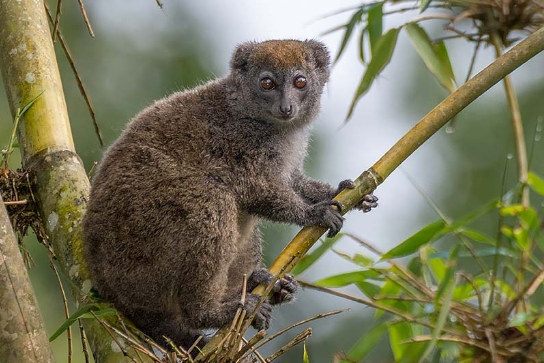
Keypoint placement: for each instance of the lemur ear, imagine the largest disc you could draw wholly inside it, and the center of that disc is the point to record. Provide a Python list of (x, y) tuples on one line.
[(321, 55), (240, 56)]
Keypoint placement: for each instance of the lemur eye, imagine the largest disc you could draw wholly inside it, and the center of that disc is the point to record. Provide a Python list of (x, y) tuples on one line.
[(267, 84), (300, 82)]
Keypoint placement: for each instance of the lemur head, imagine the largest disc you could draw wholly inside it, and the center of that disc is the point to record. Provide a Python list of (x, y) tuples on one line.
[(280, 81)]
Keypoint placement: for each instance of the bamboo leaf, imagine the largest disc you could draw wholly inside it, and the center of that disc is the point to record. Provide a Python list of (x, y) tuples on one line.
[(348, 278), (362, 46), (78, 314), (366, 343), (478, 236), (401, 332), (434, 62), (357, 259), (413, 243), (29, 104), (471, 216), (442, 53), (536, 183), (356, 18), (448, 276), (423, 5), (381, 56), (374, 25), (445, 304), (368, 288), (100, 313)]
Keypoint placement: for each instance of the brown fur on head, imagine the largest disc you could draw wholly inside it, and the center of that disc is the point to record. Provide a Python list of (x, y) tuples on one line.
[(282, 54)]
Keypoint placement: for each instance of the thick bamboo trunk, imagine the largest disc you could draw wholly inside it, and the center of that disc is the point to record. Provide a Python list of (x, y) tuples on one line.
[(22, 332), (29, 68)]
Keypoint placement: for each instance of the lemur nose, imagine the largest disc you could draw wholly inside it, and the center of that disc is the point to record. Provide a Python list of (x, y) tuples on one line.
[(286, 111)]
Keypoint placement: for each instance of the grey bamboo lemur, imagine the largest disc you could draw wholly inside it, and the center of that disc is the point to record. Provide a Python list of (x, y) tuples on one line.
[(172, 220)]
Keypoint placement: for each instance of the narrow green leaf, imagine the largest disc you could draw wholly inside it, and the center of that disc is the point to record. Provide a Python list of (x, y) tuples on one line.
[(356, 18), (481, 252), (538, 323), (71, 320), (11, 143), (471, 216), (347, 278), (413, 243), (424, 47), (362, 46), (368, 288), (522, 238), (536, 183), (389, 288), (478, 236), (442, 315), (442, 53), (529, 218), (399, 333), (100, 313), (313, 256), (367, 343), (374, 25), (357, 259), (381, 56), (305, 357), (426, 271), (30, 103), (363, 261), (492, 251), (438, 268), (448, 276), (423, 5), (507, 231)]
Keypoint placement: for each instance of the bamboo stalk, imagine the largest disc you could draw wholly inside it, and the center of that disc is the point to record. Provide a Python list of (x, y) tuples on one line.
[(59, 181), (22, 336)]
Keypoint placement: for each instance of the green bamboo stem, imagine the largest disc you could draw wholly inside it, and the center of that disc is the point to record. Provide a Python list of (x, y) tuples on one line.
[(517, 128), (22, 331), (59, 181), (521, 157), (413, 139)]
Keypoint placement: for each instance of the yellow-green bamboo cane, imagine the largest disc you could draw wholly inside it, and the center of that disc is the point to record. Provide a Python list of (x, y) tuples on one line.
[(22, 335), (59, 181)]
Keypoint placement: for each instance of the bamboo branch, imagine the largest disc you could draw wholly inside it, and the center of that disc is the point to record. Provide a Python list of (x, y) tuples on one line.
[(59, 181), (22, 336)]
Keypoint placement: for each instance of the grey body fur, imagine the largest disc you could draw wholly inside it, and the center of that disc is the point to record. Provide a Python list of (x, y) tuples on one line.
[(172, 221)]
